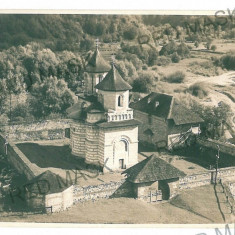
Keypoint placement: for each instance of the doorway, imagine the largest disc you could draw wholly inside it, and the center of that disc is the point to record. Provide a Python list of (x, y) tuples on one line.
[(121, 164)]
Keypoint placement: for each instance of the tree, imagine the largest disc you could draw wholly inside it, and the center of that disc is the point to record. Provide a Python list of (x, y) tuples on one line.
[(130, 33), (208, 43), (214, 118), (196, 44), (50, 96), (144, 82)]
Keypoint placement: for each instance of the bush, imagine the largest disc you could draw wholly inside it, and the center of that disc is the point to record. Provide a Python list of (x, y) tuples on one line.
[(196, 44), (175, 58), (163, 61), (199, 90), (228, 61), (176, 77), (213, 47)]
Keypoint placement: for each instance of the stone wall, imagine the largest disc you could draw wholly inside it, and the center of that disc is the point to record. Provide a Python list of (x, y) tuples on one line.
[(107, 190), (19, 160), (42, 130), (224, 147), (78, 138), (191, 181), (92, 144)]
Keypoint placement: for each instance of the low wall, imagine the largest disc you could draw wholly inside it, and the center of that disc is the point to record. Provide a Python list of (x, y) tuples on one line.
[(95, 192), (191, 181), (60, 201), (224, 147), (43, 130), (19, 161)]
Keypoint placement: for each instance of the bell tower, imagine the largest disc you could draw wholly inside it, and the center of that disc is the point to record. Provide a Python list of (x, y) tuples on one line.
[(113, 94), (96, 69)]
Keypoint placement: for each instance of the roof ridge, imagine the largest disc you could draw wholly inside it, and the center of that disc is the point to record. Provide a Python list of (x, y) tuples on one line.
[(146, 162)]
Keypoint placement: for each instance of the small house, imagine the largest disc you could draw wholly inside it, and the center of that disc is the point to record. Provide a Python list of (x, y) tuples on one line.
[(153, 177), (164, 122)]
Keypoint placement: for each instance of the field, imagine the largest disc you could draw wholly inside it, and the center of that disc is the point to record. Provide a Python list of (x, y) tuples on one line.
[(189, 207)]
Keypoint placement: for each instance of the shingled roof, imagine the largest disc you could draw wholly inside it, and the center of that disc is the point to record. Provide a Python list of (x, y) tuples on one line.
[(97, 64), (148, 104), (47, 183), (92, 105), (113, 82), (164, 106), (152, 169)]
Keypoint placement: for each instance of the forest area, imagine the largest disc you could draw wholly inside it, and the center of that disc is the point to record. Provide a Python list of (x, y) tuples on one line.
[(42, 57)]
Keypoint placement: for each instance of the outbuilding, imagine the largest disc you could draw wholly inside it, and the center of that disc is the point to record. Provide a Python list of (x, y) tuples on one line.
[(49, 192), (154, 179)]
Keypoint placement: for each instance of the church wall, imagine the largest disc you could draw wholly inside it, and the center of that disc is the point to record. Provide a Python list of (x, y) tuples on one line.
[(112, 155), (157, 125), (78, 138), (92, 144)]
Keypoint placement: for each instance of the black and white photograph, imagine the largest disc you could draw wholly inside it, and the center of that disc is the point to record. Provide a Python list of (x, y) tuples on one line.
[(117, 118)]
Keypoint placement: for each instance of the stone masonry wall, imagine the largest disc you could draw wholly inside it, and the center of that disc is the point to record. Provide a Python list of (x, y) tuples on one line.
[(92, 144), (19, 160), (42, 130), (191, 181), (78, 138), (96, 192)]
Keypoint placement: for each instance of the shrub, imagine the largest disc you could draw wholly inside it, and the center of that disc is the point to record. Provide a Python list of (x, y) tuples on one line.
[(199, 90), (176, 77), (213, 47), (228, 61), (196, 44), (163, 61), (175, 58)]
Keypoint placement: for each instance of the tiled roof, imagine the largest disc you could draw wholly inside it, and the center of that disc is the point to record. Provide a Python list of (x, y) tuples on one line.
[(92, 105), (182, 115), (113, 82), (152, 169), (164, 106), (97, 64), (148, 104)]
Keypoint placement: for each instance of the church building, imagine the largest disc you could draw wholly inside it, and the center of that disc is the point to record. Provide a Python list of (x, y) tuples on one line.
[(103, 130)]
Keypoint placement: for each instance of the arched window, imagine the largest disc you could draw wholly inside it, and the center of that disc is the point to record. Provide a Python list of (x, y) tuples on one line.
[(126, 146), (120, 101)]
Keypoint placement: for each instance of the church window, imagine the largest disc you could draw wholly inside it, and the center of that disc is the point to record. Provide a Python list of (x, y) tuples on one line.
[(125, 116), (120, 117), (126, 146), (120, 101), (115, 117)]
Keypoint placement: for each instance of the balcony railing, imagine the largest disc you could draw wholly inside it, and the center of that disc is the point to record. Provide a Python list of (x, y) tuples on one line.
[(117, 116)]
